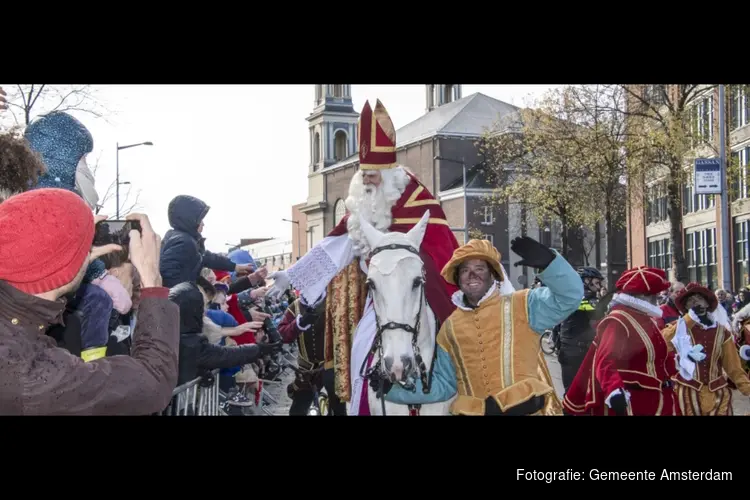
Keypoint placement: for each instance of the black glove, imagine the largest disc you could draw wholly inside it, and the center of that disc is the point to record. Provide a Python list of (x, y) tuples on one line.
[(532, 253), (375, 384), (308, 318), (619, 404)]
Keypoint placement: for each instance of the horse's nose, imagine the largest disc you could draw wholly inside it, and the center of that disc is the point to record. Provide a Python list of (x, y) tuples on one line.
[(388, 361), (408, 364)]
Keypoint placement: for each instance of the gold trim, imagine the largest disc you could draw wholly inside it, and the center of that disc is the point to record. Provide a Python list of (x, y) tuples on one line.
[(507, 342), (715, 355), (378, 166), (646, 341), (461, 364), (412, 201), (387, 126), (415, 220)]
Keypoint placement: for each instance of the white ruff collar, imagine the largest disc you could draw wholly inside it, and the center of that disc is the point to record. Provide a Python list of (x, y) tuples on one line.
[(637, 304), (458, 298)]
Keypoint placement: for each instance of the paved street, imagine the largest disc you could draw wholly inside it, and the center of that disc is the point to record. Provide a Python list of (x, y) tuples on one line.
[(740, 403)]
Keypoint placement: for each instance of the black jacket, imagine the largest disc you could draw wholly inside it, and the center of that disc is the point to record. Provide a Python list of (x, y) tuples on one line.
[(183, 251), (197, 354), (576, 331)]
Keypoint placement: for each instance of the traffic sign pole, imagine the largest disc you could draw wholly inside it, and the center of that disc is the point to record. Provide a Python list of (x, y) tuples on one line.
[(726, 249)]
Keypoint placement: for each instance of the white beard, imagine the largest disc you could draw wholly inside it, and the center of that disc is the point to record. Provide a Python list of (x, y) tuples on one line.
[(374, 204)]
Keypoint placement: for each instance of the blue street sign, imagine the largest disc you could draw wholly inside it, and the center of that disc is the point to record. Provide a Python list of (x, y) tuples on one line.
[(707, 176)]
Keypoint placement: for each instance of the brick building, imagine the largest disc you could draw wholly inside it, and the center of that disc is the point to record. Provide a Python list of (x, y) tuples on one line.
[(648, 224)]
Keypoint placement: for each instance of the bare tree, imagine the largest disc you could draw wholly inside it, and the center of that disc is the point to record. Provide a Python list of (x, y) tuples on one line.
[(27, 101)]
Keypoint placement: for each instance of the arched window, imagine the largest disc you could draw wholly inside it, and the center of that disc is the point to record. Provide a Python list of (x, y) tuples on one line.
[(340, 141), (339, 211), (316, 148)]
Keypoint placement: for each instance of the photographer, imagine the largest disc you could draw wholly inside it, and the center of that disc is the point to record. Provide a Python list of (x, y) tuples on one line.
[(40, 267)]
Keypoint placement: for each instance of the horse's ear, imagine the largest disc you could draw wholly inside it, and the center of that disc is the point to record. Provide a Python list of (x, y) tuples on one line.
[(416, 235), (372, 235)]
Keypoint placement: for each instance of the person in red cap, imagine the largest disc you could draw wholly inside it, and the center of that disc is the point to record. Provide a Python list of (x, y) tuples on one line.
[(46, 240), (629, 367), (702, 339)]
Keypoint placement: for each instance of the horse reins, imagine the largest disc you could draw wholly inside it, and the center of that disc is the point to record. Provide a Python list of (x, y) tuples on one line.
[(392, 325)]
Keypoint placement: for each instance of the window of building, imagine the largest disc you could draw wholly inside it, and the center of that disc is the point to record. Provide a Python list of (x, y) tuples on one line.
[(316, 149), (741, 271), (489, 217), (339, 211), (692, 202), (338, 91), (655, 94), (702, 120), (340, 145), (700, 251), (656, 203), (660, 254), (740, 160), (739, 106), (489, 237)]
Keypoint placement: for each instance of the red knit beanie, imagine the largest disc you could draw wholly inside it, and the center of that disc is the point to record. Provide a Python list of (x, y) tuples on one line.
[(45, 236)]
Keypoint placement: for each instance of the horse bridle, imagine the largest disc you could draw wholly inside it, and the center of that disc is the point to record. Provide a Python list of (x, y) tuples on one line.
[(377, 345)]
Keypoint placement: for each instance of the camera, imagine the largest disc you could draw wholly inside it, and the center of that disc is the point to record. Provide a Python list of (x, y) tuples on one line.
[(116, 232)]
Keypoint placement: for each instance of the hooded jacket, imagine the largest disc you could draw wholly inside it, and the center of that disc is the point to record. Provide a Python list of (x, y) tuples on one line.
[(183, 251), (197, 354)]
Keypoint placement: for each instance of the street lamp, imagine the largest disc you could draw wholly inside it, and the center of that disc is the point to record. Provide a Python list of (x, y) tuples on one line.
[(117, 174), (466, 205), (299, 241)]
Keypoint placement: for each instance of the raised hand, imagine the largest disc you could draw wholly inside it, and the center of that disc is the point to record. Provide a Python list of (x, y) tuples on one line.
[(532, 253), (144, 251)]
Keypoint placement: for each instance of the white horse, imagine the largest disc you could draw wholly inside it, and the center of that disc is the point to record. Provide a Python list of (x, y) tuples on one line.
[(404, 344)]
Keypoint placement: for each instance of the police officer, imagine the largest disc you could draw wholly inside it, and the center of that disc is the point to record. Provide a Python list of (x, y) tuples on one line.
[(577, 331)]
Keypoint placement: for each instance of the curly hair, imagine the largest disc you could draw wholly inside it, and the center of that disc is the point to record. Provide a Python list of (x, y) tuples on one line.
[(20, 166)]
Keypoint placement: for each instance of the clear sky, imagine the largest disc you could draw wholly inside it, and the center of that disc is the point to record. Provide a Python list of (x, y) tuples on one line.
[(243, 149)]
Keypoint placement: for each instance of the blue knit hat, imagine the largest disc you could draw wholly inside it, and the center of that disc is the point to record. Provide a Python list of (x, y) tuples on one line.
[(62, 141)]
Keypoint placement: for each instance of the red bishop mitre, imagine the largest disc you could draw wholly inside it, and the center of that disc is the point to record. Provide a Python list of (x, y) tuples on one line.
[(377, 138), (642, 281), (696, 288)]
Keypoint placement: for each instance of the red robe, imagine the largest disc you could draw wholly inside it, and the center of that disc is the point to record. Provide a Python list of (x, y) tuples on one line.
[(630, 356), (438, 244)]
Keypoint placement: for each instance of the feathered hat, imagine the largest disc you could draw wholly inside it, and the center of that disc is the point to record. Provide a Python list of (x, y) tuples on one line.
[(377, 138)]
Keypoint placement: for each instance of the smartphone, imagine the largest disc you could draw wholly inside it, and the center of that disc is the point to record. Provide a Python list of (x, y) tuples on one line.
[(115, 232)]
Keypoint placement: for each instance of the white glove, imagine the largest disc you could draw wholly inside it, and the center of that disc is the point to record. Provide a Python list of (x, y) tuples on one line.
[(280, 284), (696, 354)]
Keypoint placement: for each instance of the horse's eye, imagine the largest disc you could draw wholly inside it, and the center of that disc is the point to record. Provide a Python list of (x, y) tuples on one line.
[(370, 284), (417, 283)]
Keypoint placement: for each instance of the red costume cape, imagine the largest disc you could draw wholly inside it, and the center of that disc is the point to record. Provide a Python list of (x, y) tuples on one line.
[(625, 355), (437, 247)]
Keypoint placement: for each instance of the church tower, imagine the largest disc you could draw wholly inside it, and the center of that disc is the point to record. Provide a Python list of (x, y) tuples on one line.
[(333, 126), (437, 95), (333, 138)]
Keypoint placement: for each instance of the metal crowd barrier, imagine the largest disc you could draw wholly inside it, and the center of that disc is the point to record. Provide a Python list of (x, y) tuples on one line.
[(195, 398)]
